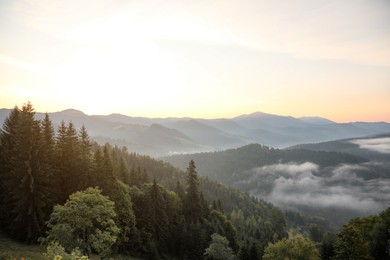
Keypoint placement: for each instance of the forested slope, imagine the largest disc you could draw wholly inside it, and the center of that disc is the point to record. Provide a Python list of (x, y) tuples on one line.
[(226, 166), (161, 211)]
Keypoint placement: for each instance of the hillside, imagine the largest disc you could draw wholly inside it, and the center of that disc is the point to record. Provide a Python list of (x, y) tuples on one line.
[(225, 166), (334, 185), (155, 211)]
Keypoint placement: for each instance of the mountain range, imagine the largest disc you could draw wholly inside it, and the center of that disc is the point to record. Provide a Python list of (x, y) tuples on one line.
[(164, 136)]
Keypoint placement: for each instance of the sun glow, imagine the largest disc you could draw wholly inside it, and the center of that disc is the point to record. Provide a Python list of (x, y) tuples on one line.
[(197, 59)]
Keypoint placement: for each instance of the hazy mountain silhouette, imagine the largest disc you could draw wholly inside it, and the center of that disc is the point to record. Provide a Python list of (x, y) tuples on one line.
[(162, 136)]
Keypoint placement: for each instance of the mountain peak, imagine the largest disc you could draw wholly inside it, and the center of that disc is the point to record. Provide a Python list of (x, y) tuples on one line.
[(73, 112), (255, 114)]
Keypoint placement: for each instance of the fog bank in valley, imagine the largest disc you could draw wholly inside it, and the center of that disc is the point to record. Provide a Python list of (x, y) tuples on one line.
[(380, 145), (340, 191)]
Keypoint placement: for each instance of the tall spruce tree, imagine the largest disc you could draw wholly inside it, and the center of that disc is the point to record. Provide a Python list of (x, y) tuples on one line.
[(68, 161), (48, 158), (85, 165), (159, 216), (26, 185), (8, 136), (192, 206)]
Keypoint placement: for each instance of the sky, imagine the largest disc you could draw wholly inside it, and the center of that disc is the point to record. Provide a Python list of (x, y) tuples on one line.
[(203, 58)]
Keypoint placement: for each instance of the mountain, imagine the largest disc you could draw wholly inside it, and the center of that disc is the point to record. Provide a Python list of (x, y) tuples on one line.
[(267, 121), (316, 120), (333, 185), (206, 135), (162, 136), (375, 147)]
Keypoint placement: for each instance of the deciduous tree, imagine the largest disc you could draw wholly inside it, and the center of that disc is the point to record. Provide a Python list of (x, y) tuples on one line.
[(85, 221)]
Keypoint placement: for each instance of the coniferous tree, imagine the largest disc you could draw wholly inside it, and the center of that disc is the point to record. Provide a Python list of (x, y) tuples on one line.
[(26, 182), (85, 165), (192, 202), (159, 216), (48, 158), (76, 179), (123, 172), (8, 137), (66, 160), (107, 178)]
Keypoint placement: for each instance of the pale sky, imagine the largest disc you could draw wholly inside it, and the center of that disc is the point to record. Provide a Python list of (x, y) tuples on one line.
[(200, 58)]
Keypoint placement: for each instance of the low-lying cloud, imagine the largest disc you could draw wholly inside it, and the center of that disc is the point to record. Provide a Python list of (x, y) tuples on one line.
[(380, 145), (296, 186)]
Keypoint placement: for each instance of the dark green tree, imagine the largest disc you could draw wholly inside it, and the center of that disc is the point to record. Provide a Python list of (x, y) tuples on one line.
[(380, 246), (85, 164), (192, 204), (125, 218), (8, 139), (68, 161), (159, 218), (26, 182), (352, 242)]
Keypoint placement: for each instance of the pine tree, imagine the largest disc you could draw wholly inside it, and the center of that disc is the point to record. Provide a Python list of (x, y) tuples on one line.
[(123, 173), (26, 186), (107, 179), (61, 162), (159, 216), (85, 165), (8, 137), (48, 158), (192, 202)]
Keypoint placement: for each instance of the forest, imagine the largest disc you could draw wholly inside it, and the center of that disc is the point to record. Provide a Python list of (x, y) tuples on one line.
[(82, 200)]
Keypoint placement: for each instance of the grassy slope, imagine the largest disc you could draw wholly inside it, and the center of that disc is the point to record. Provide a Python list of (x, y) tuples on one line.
[(10, 249), (13, 250)]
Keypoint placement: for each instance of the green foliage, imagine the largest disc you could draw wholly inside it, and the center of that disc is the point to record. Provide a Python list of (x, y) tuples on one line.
[(219, 249), (296, 247), (125, 218), (85, 221), (55, 251)]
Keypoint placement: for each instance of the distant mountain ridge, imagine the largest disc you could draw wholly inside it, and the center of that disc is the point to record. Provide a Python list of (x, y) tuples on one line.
[(374, 147), (163, 136)]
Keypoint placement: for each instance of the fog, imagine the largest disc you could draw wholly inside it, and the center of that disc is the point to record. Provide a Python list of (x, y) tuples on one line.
[(380, 145), (305, 186)]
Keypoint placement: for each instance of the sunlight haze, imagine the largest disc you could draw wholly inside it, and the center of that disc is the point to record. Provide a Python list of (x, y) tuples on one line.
[(207, 59)]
